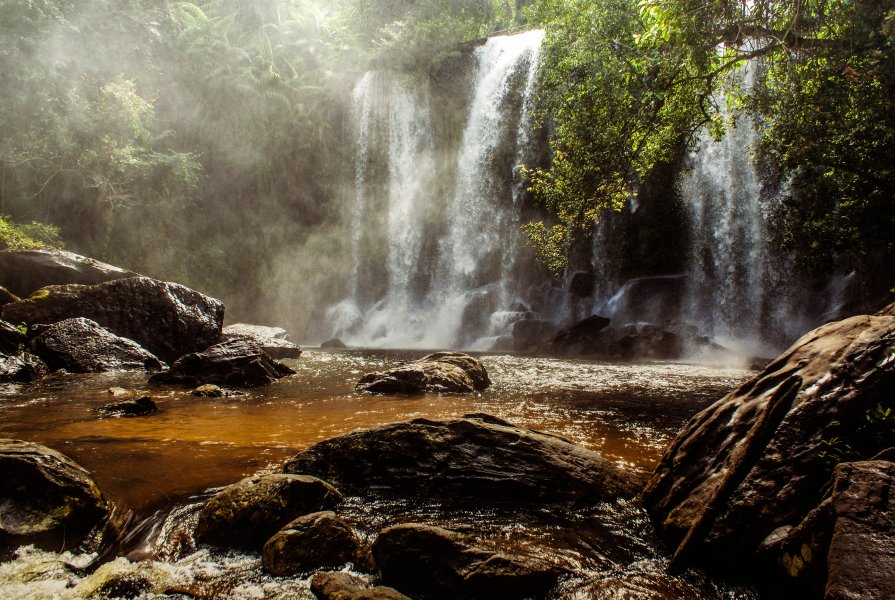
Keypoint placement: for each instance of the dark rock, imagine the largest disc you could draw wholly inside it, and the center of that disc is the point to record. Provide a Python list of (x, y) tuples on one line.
[(432, 562), (639, 586), (12, 341), (212, 391), (333, 344), (581, 339), (25, 271), (528, 334), (167, 319), (311, 542), (345, 586), (582, 284), (649, 299), (246, 514), (451, 372), (7, 297), (475, 459), (237, 363), (46, 498), (82, 346), (130, 408), (23, 368), (759, 459), (271, 339), (123, 585)]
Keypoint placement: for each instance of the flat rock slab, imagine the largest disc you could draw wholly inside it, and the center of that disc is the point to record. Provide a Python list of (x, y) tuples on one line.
[(451, 372), (82, 346), (167, 319), (46, 499), (25, 271), (237, 363), (271, 339), (474, 459)]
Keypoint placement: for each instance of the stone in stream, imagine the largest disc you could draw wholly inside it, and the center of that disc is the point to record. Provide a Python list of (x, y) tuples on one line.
[(271, 339), (246, 514), (452, 372), (238, 363), (46, 499), (135, 407), (346, 586), (478, 458), (23, 368), (82, 346), (312, 542), (25, 271), (431, 562), (746, 473), (333, 344), (167, 319)]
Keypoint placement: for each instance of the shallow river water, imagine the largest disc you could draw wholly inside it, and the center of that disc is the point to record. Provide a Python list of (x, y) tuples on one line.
[(159, 468)]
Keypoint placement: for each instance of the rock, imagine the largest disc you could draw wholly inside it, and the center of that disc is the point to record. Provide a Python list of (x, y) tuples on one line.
[(12, 341), (238, 363), (82, 346), (311, 542), (130, 408), (333, 344), (861, 558), (582, 338), (25, 271), (451, 372), (271, 339), (345, 586), (23, 368), (474, 459), (212, 391), (432, 562), (582, 284), (528, 334), (167, 319), (7, 297), (246, 514), (46, 499), (649, 299), (760, 458)]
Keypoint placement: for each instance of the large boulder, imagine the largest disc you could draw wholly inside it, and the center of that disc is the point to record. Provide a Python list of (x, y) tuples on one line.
[(582, 338), (271, 339), (475, 459), (239, 363), (22, 368), (451, 372), (167, 319), (25, 271), (82, 346), (246, 514), (312, 542), (346, 586), (431, 562), (46, 499), (760, 458)]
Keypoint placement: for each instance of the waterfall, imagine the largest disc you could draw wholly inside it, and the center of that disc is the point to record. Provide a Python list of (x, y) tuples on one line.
[(444, 258)]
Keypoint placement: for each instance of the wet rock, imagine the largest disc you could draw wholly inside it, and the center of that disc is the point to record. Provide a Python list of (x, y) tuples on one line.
[(130, 408), (25, 271), (432, 562), (82, 346), (333, 344), (167, 319), (11, 339), (237, 363), (7, 297), (760, 458), (212, 391), (451, 372), (639, 586), (582, 284), (271, 339), (311, 542), (528, 334), (46, 499), (475, 459), (246, 514), (23, 368), (581, 339), (345, 586), (650, 299)]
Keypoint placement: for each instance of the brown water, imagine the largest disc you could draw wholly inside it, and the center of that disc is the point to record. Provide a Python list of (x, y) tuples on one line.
[(159, 466)]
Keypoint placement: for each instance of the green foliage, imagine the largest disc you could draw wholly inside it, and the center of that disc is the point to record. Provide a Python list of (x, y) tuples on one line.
[(873, 432), (28, 236)]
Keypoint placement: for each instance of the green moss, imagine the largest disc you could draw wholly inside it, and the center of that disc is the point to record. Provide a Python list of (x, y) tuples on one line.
[(38, 295)]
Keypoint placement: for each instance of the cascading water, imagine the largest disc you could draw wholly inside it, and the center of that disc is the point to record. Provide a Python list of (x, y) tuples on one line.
[(451, 225)]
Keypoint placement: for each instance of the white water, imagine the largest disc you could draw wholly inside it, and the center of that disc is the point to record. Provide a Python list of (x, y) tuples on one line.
[(452, 226)]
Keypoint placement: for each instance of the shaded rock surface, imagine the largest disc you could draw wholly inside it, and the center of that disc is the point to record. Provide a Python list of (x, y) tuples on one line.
[(24, 271), (759, 459), (130, 408), (167, 319), (345, 586), (271, 339), (582, 338), (311, 542), (427, 561), (474, 459), (82, 346), (11, 339), (246, 514), (238, 363), (452, 372), (23, 368), (528, 334), (7, 297), (46, 499), (333, 344)]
